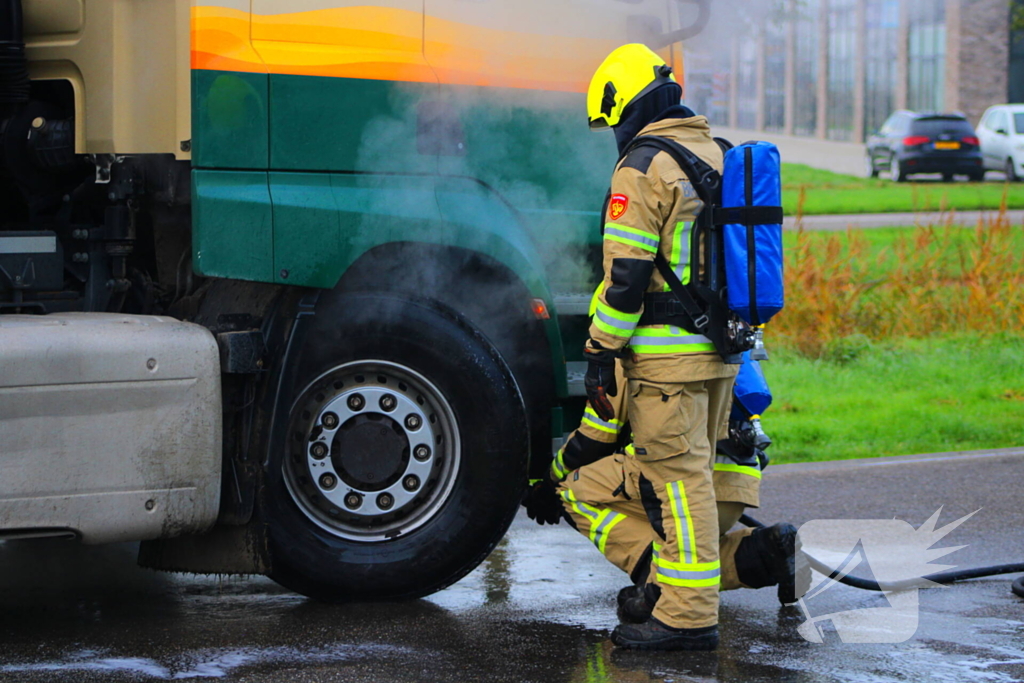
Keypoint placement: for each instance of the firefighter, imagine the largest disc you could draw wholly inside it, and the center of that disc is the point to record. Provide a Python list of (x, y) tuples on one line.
[(677, 389), (750, 558)]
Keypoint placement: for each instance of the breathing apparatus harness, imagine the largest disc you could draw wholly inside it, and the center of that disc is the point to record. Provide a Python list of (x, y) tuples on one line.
[(701, 306)]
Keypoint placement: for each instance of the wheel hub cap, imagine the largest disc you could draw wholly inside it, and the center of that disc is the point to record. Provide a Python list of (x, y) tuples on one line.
[(374, 451)]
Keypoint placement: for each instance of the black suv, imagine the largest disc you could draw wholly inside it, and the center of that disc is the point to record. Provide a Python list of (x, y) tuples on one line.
[(910, 143)]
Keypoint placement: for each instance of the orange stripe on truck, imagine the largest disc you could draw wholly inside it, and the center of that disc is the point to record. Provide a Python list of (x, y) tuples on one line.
[(386, 43)]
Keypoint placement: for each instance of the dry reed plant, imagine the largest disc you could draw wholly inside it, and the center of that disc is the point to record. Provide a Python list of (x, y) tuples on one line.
[(939, 280)]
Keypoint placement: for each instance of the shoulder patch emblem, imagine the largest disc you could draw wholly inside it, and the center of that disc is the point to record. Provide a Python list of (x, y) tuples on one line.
[(617, 206)]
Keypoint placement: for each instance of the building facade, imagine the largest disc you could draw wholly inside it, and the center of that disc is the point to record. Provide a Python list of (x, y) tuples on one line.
[(836, 69)]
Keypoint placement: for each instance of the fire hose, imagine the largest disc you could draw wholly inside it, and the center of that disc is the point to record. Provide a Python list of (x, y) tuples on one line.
[(943, 578)]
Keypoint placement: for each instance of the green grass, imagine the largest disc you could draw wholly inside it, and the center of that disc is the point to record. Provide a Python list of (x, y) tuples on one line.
[(834, 193), (867, 399)]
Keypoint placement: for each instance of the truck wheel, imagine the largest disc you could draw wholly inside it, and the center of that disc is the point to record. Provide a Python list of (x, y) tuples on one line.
[(1010, 170), (405, 455)]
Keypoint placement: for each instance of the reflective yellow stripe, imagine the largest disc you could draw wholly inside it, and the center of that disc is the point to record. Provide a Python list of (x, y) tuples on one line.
[(668, 339), (582, 509), (689, 583), (601, 516), (616, 314), (631, 237), (680, 511), (591, 418), (601, 521), (739, 469), (600, 529), (558, 465), (674, 504), (614, 321), (594, 300), (680, 257), (689, 520), (691, 566), (611, 328), (608, 530)]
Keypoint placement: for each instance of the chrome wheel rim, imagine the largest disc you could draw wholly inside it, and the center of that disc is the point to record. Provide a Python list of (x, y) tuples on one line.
[(373, 451)]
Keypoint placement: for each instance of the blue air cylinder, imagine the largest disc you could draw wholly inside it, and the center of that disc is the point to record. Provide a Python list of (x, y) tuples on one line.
[(751, 394), (752, 197)]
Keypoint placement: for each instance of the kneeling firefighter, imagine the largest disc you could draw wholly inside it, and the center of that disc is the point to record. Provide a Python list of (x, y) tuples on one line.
[(661, 309), (590, 472)]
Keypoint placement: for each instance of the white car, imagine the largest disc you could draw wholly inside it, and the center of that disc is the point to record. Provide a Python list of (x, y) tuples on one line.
[(1001, 132)]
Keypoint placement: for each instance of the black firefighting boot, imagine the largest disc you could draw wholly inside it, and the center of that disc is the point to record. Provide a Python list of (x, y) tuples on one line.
[(637, 608), (767, 557), (654, 635), (634, 604)]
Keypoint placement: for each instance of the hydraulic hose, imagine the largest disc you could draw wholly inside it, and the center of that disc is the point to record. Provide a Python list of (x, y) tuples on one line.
[(940, 577)]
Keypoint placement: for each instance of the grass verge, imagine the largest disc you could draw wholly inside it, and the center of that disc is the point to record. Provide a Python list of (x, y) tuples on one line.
[(825, 192), (866, 399)]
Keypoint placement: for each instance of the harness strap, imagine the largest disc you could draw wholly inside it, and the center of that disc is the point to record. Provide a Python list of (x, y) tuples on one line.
[(748, 215)]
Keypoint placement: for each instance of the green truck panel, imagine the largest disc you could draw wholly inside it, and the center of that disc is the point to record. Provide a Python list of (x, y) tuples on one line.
[(233, 234), (347, 124), (231, 124)]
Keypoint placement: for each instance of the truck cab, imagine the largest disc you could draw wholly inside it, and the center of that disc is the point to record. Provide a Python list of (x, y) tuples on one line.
[(298, 288)]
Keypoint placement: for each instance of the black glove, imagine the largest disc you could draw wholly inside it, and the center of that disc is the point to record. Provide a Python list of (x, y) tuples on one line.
[(542, 503), (599, 381)]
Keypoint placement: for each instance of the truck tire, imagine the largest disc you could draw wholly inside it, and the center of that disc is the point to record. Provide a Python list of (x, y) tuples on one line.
[(405, 453)]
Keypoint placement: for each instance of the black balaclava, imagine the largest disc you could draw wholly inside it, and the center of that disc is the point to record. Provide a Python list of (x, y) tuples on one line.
[(645, 110)]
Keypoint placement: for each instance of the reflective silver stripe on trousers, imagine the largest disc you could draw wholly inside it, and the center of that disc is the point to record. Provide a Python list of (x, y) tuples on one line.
[(679, 515), (689, 575), (599, 532)]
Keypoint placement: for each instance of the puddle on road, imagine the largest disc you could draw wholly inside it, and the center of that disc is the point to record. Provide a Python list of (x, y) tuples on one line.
[(213, 663), (539, 609)]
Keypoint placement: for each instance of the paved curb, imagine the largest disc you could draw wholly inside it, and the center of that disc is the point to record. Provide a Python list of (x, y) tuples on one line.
[(855, 221), (860, 463)]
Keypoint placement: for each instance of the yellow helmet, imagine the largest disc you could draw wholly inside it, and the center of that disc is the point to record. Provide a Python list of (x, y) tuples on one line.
[(625, 75)]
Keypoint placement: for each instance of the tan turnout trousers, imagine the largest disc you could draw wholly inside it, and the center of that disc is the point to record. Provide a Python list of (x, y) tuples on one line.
[(661, 492), (607, 492)]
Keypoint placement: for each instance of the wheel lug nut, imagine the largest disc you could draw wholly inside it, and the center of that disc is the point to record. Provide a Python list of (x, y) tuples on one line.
[(328, 481), (421, 453), (385, 501), (353, 500), (413, 422), (356, 402), (388, 402), (411, 482), (329, 420), (319, 450)]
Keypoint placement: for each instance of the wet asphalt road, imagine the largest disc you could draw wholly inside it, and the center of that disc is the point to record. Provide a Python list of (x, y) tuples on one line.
[(539, 609)]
